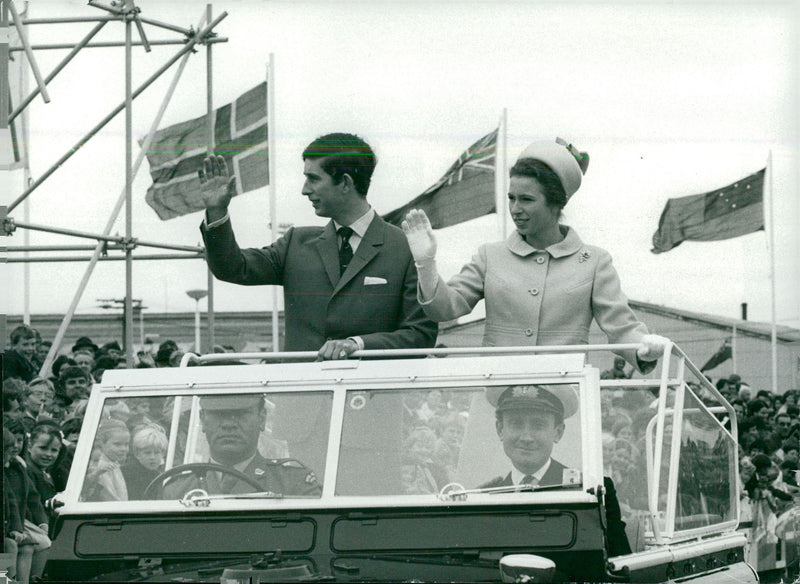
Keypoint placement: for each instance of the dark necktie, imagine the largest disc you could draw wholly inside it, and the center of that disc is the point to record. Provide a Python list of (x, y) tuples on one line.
[(528, 480), (345, 251)]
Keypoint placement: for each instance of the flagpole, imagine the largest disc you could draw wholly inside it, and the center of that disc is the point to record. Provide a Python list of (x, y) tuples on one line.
[(211, 114), (504, 176), (774, 335), (273, 215), (733, 347)]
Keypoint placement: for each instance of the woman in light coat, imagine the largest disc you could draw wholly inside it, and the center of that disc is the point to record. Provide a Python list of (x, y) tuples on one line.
[(543, 285)]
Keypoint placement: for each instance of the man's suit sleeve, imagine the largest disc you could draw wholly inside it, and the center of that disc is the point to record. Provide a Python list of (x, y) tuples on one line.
[(250, 267), (414, 330)]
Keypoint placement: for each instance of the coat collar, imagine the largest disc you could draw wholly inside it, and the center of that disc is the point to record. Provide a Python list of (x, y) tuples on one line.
[(569, 245)]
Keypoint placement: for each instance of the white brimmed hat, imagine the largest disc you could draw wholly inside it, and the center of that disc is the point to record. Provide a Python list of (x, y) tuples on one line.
[(563, 158)]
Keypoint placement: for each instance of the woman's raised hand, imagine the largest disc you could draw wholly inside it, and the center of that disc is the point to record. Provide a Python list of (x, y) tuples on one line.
[(420, 236)]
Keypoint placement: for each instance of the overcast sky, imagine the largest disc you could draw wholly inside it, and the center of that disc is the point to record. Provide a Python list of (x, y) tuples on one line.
[(669, 99)]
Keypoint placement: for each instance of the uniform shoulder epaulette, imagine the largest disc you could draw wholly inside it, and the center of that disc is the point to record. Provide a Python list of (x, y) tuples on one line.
[(286, 462)]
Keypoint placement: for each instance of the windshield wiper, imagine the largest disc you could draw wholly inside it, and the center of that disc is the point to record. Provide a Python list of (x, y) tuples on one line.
[(456, 492), (201, 498)]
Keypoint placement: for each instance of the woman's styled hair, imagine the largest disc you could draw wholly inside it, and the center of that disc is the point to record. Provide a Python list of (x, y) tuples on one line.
[(551, 185)]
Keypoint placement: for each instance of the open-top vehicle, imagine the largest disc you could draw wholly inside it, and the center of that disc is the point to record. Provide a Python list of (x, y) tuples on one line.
[(355, 480)]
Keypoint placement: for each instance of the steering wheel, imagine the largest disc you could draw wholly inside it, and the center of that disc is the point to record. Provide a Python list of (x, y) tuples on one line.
[(197, 469)]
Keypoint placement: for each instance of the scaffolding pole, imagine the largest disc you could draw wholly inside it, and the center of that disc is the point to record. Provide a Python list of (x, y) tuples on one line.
[(59, 259), (23, 38), (128, 340), (108, 238), (110, 44)]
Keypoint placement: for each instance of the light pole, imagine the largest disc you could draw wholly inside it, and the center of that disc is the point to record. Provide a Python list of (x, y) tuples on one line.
[(197, 295)]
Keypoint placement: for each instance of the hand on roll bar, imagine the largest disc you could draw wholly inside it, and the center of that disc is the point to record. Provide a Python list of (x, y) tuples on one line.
[(651, 347)]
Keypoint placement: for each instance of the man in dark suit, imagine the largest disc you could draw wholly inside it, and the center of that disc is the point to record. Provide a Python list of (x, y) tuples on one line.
[(349, 285), (232, 425), (530, 420)]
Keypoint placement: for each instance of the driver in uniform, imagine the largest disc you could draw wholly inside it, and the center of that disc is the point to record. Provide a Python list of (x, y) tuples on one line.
[(529, 420), (232, 425)]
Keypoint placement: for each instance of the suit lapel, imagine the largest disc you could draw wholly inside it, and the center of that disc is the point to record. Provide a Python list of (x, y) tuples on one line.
[(328, 248), (367, 249)]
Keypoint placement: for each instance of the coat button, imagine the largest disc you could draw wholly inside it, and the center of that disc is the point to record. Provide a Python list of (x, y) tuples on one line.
[(528, 332), (540, 260), (533, 291)]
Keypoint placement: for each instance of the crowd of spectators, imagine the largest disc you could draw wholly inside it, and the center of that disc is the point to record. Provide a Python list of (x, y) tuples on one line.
[(42, 419)]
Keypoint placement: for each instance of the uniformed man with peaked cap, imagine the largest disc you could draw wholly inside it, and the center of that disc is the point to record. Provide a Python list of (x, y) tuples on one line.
[(530, 420), (232, 425)]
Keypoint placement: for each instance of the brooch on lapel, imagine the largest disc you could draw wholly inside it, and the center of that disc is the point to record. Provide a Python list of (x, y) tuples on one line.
[(585, 255)]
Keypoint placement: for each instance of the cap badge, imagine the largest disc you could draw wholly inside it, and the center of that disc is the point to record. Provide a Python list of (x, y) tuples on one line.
[(525, 391)]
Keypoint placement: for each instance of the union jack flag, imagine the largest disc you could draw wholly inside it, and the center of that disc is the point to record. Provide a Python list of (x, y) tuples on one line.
[(466, 190)]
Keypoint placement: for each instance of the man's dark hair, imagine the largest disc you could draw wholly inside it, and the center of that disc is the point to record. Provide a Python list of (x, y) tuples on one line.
[(62, 361), (73, 371), (765, 395), (793, 411), (20, 333), (751, 422), (341, 154), (13, 390), (551, 185), (756, 406), (760, 445)]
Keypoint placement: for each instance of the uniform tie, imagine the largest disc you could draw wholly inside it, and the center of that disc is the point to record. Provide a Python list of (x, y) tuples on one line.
[(529, 480), (345, 251)]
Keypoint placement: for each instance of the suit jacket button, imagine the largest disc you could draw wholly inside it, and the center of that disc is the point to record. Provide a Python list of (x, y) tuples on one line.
[(540, 260), (528, 332)]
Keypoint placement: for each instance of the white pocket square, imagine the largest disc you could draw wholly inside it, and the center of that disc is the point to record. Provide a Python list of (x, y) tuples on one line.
[(372, 281)]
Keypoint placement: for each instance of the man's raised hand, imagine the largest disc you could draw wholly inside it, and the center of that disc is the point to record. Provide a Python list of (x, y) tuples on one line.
[(217, 187)]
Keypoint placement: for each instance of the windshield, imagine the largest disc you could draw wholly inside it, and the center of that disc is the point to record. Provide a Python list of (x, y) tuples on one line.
[(163, 447), (390, 442), (415, 442)]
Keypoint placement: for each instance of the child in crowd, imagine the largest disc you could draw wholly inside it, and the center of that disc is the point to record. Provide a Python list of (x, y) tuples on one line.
[(44, 448), (39, 398), (13, 527), (75, 385), (18, 361), (14, 397), (104, 480), (149, 446), (33, 549)]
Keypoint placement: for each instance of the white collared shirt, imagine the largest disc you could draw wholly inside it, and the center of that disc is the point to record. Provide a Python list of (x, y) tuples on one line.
[(359, 227), (517, 476)]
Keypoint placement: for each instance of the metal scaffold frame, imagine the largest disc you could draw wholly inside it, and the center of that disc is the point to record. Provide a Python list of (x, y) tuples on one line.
[(126, 12)]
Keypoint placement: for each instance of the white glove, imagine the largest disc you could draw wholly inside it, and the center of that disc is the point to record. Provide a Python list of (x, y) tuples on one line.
[(420, 237), (652, 347)]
